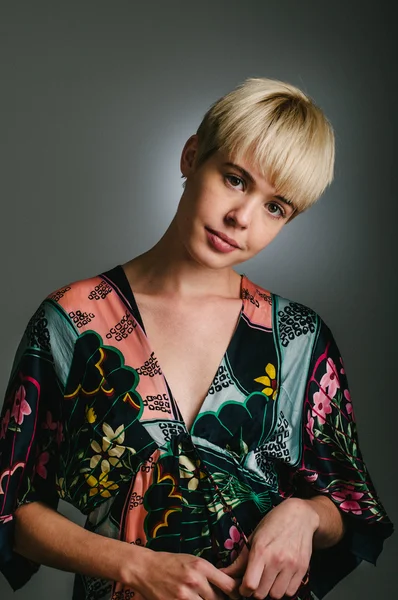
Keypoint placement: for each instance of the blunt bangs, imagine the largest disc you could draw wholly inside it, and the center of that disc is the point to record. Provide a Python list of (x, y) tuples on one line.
[(280, 130)]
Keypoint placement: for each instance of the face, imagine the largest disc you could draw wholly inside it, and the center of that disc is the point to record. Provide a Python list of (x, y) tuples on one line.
[(228, 212)]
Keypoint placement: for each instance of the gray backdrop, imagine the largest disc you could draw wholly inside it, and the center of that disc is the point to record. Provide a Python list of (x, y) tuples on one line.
[(97, 99)]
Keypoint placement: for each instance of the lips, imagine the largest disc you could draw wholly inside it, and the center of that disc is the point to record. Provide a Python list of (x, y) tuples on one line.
[(224, 237)]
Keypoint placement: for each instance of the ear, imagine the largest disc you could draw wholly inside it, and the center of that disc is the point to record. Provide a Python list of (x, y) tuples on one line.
[(188, 156)]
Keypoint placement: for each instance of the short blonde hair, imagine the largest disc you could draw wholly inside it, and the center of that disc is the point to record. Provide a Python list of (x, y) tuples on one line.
[(280, 128)]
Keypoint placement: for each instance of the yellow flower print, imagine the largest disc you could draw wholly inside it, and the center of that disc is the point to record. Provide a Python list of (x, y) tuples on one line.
[(269, 380), (61, 488), (111, 451), (191, 471), (90, 414), (101, 485)]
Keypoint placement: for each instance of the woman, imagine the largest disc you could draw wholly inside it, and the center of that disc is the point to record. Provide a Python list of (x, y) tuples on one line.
[(186, 410)]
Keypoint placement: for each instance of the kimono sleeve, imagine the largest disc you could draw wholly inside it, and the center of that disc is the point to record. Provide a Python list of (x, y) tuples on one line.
[(332, 464), (30, 435)]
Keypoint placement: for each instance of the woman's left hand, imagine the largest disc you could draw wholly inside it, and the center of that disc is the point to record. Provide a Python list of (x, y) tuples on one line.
[(281, 548)]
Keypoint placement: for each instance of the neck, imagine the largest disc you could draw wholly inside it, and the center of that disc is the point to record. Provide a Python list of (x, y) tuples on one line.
[(168, 269)]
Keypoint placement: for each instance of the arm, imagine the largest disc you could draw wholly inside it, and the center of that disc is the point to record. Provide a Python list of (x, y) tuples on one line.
[(65, 545), (331, 526)]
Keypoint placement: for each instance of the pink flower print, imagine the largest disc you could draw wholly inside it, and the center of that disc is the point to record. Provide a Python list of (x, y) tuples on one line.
[(348, 406), (49, 423), (4, 424), (20, 408), (5, 518), (60, 435), (342, 370), (310, 426), (322, 406), (348, 498), (54, 425), (234, 543), (40, 467), (312, 477), (330, 380)]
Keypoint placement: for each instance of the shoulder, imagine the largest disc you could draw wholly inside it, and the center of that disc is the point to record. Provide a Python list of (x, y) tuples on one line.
[(297, 321), (292, 320), (63, 316), (65, 310), (83, 291), (282, 306), (83, 300), (288, 310)]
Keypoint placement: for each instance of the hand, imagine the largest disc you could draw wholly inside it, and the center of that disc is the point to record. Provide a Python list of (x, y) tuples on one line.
[(281, 548), (183, 577)]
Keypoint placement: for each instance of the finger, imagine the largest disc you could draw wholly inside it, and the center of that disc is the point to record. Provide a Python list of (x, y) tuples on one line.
[(254, 571), (238, 567), (295, 582), (279, 587), (211, 592), (222, 581)]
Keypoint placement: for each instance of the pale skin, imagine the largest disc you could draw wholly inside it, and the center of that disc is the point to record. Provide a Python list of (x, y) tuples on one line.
[(181, 275)]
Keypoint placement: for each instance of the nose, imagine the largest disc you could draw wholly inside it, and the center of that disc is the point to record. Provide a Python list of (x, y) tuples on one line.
[(241, 215)]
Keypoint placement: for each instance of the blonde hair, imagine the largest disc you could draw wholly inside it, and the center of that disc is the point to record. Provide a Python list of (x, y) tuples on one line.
[(280, 129)]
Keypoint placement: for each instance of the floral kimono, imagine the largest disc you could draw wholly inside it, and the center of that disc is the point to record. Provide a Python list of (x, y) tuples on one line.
[(90, 418)]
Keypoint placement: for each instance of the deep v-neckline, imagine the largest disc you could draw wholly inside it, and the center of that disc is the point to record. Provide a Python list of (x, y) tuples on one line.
[(127, 294)]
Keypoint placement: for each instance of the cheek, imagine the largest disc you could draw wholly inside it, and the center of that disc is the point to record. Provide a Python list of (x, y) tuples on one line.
[(263, 233), (200, 198)]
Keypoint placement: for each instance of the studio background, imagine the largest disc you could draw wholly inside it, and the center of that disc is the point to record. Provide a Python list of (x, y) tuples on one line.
[(97, 100)]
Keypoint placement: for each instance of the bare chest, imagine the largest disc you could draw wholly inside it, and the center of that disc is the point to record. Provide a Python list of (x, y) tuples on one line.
[(189, 343)]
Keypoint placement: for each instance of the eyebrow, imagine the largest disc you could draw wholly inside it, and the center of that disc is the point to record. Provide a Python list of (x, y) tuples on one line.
[(251, 179)]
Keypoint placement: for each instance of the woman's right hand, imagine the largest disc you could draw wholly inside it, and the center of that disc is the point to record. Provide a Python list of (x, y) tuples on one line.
[(169, 576)]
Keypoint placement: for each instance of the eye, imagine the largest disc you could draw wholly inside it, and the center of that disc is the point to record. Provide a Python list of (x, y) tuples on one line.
[(275, 210), (235, 181)]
